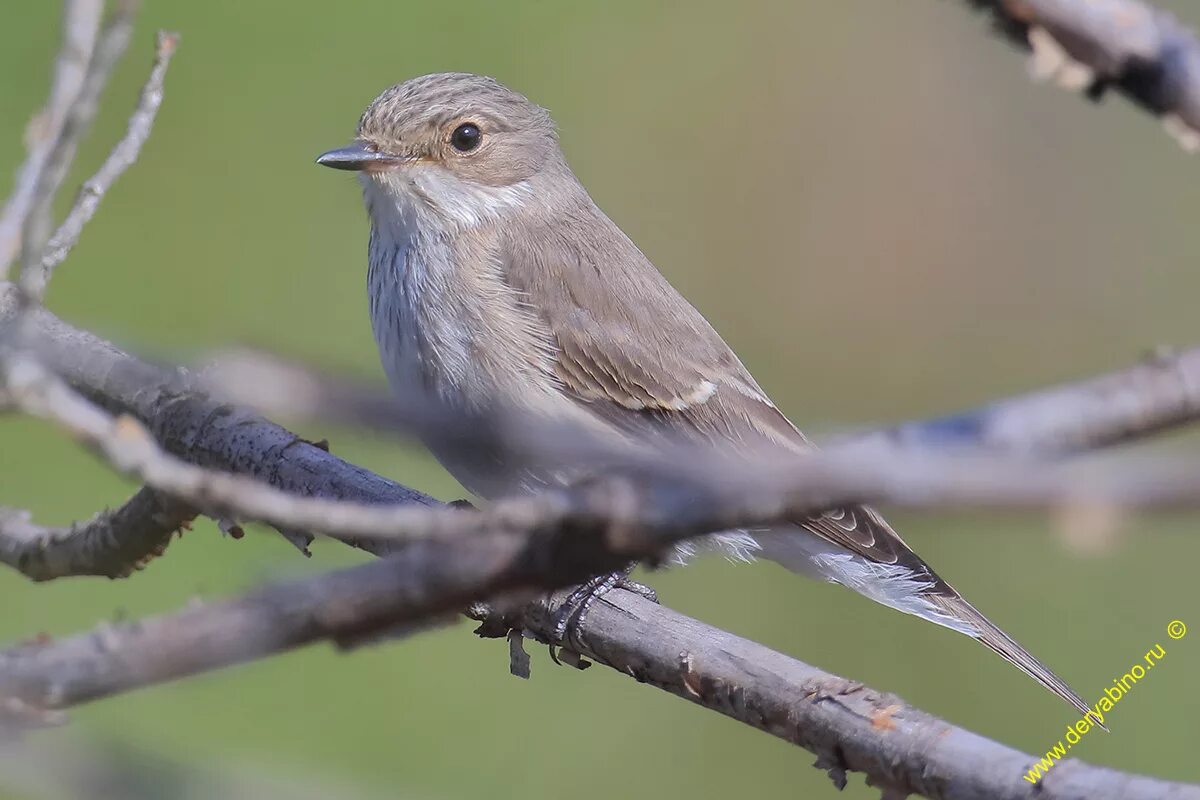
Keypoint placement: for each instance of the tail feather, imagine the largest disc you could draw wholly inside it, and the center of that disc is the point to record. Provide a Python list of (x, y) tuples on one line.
[(908, 584), (1008, 649)]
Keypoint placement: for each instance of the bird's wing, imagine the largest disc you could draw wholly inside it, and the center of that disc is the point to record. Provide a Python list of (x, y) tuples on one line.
[(637, 354)]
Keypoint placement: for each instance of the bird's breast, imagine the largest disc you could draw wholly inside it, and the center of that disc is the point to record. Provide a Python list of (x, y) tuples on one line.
[(446, 322)]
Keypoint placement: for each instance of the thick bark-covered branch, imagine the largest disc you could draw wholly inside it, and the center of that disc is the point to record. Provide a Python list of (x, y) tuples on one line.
[(848, 726), (347, 606), (1128, 45), (112, 544)]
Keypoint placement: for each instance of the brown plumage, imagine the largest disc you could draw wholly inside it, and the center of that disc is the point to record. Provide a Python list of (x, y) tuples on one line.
[(494, 277)]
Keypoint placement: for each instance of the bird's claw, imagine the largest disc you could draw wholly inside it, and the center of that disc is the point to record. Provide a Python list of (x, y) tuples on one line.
[(572, 612)]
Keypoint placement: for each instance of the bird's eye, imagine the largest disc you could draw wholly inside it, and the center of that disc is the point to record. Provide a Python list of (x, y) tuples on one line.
[(466, 137)]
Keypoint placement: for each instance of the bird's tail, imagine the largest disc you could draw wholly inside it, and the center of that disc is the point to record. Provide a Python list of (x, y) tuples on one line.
[(1006, 647), (911, 587)]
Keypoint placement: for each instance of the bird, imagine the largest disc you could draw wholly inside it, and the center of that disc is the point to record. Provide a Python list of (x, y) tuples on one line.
[(494, 278)]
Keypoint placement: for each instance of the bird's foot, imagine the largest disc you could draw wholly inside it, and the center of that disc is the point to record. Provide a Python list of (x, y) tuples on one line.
[(572, 612)]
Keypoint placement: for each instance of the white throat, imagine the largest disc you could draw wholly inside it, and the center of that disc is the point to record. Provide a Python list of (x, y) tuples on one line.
[(429, 198)]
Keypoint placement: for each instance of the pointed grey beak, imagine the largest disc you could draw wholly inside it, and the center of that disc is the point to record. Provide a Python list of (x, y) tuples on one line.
[(356, 157)]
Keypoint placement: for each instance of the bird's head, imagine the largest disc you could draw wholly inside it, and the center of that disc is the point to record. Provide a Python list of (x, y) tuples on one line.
[(461, 146)]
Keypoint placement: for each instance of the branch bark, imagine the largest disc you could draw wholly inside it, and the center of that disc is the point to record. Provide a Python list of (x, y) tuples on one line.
[(849, 726), (112, 544), (1144, 53)]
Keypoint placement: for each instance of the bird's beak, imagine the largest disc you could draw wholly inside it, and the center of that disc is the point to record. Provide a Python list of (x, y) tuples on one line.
[(357, 157)]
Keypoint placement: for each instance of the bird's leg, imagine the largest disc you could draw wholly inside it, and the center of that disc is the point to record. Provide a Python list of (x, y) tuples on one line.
[(573, 610)]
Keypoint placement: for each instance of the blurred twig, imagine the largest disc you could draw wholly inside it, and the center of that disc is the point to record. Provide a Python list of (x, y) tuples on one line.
[(111, 45), (89, 766), (123, 155), (81, 23), (1160, 393), (1128, 45), (112, 543)]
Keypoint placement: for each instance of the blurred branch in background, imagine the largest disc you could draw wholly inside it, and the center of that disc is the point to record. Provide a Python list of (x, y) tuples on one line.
[(110, 46), (75, 767), (1093, 45), (195, 452), (123, 155), (81, 24)]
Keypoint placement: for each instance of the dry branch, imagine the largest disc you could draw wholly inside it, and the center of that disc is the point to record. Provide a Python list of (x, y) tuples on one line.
[(81, 23), (1140, 51), (123, 155), (112, 543), (1159, 394), (848, 726), (111, 45)]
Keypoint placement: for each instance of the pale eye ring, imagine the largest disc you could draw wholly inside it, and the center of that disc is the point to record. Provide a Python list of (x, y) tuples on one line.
[(466, 137)]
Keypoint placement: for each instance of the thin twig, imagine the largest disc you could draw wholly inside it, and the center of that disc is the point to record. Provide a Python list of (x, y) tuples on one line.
[(123, 155), (81, 23), (112, 544), (113, 41)]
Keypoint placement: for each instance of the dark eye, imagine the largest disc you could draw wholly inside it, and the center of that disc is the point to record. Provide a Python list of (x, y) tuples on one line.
[(466, 137)]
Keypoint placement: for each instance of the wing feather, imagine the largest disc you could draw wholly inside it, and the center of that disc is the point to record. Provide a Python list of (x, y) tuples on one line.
[(632, 350)]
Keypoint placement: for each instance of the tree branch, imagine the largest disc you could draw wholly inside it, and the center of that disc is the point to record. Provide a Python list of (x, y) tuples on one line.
[(123, 155), (848, 726), (112, 544), (1159, 394), (81, 24), (113, 41), (1145, 54)]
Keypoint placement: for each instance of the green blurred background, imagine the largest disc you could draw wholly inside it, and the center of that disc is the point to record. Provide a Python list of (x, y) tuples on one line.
[(871, 201)]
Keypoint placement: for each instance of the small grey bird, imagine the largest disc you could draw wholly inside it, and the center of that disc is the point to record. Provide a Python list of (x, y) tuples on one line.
[(494, 278)]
